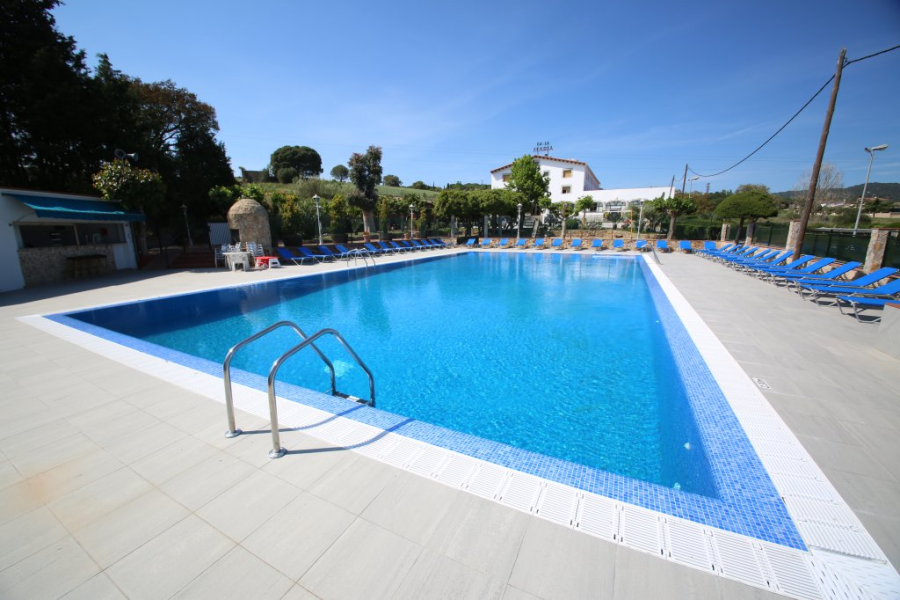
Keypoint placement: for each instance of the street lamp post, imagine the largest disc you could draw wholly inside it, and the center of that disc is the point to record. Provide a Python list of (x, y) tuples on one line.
[(519, 222), (692, 180), (317, 200), (187, 226), (412, 208), (640, 219), (862, 199)]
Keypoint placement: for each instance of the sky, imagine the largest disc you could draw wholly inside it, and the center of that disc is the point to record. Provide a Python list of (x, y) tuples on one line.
[(452, 90)]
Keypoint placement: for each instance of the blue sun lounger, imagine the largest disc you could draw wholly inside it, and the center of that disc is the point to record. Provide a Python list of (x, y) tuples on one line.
[(287, 255), (663, 245), (640, 245), (400, 248), (762, 269), (557, 244), (373, 250), (538, 244), (486, 242), (346, 253), (470, 243), (777, 272), (576, 244), (685, 246), (503, 243), (860, 303), (327, 252), (521, 243), (857, 286), (790, 279), (383, 248), (618, 244), (317, 257), (597, 245)]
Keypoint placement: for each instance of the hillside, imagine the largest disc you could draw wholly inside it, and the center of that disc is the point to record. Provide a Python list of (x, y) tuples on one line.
[(886, 191)]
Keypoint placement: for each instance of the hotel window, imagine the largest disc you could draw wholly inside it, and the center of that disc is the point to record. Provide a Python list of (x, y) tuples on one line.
[(567, 173), (506, 178), (546, 173), (567, 189)]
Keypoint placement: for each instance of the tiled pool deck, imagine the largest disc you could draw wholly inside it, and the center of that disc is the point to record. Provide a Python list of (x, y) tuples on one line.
[(113, 482)]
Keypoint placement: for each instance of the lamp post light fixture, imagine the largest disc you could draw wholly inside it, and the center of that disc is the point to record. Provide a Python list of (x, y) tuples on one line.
[(187, 227), (412, 208), (519, 222), (692, 180), (862, 198), (317, 200)]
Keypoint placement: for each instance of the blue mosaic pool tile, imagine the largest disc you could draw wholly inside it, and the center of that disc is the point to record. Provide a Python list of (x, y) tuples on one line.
[(747, 502)]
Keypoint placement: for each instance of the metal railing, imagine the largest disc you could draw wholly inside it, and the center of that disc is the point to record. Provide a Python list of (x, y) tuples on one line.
[(277, 451), (226, 369)]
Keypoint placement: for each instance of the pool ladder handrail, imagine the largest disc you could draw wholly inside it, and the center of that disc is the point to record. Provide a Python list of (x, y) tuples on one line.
[(277, 451), (226, 369), (655, 256)]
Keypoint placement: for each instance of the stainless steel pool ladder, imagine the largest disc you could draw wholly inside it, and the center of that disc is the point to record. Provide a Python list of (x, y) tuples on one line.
[(277, 451), (655, 256)]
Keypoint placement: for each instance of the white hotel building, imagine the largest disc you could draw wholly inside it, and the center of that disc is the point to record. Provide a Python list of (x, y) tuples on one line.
[(573, 179)]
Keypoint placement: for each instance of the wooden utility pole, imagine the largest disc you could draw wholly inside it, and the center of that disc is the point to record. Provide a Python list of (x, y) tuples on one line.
[(684, 181), (814, 178), (672, 187)]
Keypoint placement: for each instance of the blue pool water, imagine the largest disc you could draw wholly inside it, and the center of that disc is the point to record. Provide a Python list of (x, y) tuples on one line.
[(564, 356), (575, 369)]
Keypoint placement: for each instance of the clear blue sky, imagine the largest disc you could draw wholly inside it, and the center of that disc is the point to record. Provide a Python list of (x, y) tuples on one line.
[(452, 90)]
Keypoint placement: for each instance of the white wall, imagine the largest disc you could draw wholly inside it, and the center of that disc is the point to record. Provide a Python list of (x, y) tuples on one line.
[(10, 271), (629, 194), (555, 169), (13, 212)]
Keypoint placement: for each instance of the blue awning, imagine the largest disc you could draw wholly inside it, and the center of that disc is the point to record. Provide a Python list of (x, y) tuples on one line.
[(55, 207)]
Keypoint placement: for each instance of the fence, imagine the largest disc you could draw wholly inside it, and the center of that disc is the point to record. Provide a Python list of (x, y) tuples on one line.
[(774, 234), (843, 246), (696, 232)]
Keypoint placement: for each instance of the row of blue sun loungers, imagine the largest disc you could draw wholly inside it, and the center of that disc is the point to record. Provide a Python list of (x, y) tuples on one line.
[(808, 276), (576, 244), (325, 254)]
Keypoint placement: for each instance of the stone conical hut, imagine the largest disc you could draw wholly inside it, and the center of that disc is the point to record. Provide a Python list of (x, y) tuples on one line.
[(251, 221)]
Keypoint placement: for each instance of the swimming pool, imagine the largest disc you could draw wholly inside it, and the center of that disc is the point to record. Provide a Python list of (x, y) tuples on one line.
[(730, 490)]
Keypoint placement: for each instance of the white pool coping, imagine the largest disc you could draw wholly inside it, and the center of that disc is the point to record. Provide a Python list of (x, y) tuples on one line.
[(843, 560)]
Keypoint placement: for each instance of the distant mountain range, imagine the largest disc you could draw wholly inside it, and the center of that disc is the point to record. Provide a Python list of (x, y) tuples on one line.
[(885, 191)]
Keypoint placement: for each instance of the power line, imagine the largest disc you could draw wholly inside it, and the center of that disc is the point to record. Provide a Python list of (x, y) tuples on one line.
[(856, 60), (772, 137), (796, 114)]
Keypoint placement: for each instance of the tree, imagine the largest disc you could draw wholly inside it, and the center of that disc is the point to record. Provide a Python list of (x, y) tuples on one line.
[(749, 204), (582, 205), (460, 204), (136, 189), (46, 102), (339, 213), (287, 174), (829, 187), (419, 185), (340, 172), (674, 207), (392, 181), (525, 178), (365, 173), (304, 159)]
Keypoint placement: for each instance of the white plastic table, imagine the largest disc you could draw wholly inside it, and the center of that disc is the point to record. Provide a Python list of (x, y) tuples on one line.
[(238, 258)]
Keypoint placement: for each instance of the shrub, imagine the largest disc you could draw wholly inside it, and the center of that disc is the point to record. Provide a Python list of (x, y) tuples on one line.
[(287, 174)]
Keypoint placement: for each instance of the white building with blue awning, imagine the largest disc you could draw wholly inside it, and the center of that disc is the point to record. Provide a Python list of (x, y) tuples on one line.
[(52, 237)]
